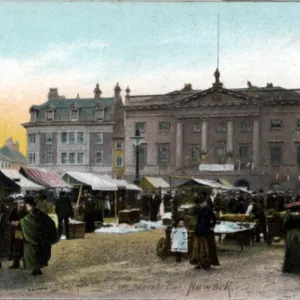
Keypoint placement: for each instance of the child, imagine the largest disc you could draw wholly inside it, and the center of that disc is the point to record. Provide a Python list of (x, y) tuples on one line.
[(179, 238)]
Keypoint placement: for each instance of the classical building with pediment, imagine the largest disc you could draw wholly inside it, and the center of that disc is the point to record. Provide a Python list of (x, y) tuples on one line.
[(77, 134), (250, 136)]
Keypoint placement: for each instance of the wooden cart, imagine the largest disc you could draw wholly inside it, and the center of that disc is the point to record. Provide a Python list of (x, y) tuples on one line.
[(163, 248)]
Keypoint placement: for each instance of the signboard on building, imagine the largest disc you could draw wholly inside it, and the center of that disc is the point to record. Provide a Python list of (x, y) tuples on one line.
[(216, 168)]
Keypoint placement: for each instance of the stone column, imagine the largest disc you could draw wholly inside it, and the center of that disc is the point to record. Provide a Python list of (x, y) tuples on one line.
[(229, 136), (255, 144), (204, 136), (179, 144), (38, 147), (87, 141)]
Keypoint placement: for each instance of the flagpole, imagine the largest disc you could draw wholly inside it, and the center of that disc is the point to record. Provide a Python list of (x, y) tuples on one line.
[(218, 47)]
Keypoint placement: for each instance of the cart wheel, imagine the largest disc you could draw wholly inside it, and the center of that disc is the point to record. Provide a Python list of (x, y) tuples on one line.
[(161, 248)]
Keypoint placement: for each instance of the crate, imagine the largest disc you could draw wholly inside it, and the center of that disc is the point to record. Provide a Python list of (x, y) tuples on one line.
[(129, 216), (77, 231)]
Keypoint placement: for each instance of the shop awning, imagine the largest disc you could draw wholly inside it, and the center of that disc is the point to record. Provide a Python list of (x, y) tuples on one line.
[(121, 183), (94, 181), (206, 182), (154, 182), (45, 178), (21, 181)]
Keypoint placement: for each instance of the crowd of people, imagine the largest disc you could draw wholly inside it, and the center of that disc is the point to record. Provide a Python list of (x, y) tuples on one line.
[(26, 232), (209, 208)]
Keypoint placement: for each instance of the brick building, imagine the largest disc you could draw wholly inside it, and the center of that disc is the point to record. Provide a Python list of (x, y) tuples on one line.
[(77, 134), (249, 136)]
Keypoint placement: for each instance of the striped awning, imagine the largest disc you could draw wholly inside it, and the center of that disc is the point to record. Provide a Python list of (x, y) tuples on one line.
[(45, 178)]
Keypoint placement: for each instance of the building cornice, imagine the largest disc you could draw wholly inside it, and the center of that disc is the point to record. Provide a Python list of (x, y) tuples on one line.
[(64, 123)]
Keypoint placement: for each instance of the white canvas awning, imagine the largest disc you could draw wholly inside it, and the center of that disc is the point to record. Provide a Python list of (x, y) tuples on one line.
[(157, 182), (121, 183), (128, 186), (21, 181), (96, 182)]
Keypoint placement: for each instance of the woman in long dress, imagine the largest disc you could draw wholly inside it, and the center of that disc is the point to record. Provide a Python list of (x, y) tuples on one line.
[(291, 224), (204, 253)]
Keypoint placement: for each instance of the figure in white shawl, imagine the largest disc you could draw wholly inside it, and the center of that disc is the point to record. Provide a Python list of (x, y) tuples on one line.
[(179, 238)]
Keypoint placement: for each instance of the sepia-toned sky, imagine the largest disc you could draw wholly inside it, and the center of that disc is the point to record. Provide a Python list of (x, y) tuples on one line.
[(152, 47)]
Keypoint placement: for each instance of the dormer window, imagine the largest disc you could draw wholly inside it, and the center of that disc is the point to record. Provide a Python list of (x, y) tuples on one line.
[(99, 114), (33, 116), (74, 114), (49, 115)]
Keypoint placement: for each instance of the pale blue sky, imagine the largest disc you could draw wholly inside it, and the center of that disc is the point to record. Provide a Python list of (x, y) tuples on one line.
[(152, 47)]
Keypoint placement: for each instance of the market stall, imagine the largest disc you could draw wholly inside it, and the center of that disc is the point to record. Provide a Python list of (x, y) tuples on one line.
[(13, 181), (157, 184), (95, 182)]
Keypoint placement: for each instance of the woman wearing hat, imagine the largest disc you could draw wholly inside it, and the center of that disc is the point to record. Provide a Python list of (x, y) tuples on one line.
[(291, 224)]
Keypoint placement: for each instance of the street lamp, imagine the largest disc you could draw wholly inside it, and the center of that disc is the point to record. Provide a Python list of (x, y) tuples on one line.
[(137, 140)]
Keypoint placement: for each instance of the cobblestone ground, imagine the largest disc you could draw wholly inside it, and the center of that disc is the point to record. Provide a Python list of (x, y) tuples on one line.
[(126, 267)]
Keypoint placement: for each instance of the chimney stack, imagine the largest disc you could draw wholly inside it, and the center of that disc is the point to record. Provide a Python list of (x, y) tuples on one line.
[(53, 94)]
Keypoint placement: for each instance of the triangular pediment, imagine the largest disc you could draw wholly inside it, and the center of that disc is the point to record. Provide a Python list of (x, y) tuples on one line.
[(50, 106), (75, 106), (215, 96), (99, 106)]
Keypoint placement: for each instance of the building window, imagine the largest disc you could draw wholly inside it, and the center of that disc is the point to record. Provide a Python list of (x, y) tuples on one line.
[(48, 138), (99, 138), (276, 155), (196, 154), (64, 137), (220, 155), (163, 155), (80, 137), (141, 126), (80, 158), (31, 159), (298, 124), (221, 127), (164, 126), (245, 126), (99, 114), (64, 158), (196, 127), (48, 159), (99, 157), (276, 124), (74, 114), (298, 155), (119, 162), (31, 138), (71, 137), (244, 155), (72, 158), (119, 146), (49, 115)]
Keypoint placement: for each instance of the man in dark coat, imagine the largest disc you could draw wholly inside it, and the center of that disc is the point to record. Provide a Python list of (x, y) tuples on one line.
[(175, 206), (154, 206), (64, 211), (14, 218), (167, 202), (4, 233)]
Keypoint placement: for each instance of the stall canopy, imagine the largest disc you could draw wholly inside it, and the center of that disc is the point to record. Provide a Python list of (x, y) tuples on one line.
[(125, 185), (205, 182), (94, 181), (121, 183), (148, 183), (45, 178), (20, 180)]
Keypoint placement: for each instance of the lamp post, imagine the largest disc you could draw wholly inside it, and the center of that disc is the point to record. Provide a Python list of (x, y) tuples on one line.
[(137, 140)]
